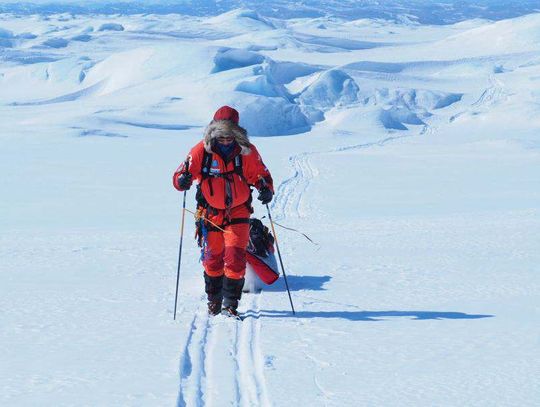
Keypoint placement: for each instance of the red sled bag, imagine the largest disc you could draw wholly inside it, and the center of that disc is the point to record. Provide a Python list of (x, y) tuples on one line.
[(260, 252)]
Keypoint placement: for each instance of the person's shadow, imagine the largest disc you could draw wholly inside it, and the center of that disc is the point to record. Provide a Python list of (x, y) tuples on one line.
[(367, 315), (298, 283), (316, 283)]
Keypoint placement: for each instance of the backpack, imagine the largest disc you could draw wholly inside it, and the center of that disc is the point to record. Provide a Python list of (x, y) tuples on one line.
[(261, 241), (260, 252)]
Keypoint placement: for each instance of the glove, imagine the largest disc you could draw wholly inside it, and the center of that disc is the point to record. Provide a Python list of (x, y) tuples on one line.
[(265, 195), (185, 181)]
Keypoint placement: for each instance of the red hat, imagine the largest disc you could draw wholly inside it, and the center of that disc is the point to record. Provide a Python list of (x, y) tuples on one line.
[(227, 113)]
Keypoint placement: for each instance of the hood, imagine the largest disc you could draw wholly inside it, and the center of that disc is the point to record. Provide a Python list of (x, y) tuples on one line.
[(218, 128)]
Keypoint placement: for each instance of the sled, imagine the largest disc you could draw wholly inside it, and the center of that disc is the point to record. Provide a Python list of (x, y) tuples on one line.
[(261, 265)]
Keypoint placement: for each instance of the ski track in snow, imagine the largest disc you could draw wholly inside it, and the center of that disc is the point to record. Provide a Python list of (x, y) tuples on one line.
[(289, 193), (249, 354), (192, 370), (222, 362), (228, 353), (220, 351), (493, 94)]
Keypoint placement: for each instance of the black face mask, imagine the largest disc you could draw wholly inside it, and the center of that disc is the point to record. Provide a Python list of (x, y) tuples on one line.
[(225, 149)]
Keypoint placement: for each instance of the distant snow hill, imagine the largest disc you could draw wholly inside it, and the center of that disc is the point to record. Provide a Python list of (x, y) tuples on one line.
[(286, 76), (425, 12)]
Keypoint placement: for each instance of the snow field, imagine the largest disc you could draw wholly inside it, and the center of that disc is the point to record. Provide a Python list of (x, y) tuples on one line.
[(410, 158)]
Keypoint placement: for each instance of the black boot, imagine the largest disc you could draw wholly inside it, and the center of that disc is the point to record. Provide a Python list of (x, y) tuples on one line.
[(214, 308), (232, 291), (213, 286)]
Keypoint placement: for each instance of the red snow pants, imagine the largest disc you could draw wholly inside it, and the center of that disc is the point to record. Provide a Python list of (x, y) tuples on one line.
[(226, 251)]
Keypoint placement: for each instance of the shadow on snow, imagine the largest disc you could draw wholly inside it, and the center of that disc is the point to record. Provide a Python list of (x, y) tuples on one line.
[(367, 315), (298, 283)]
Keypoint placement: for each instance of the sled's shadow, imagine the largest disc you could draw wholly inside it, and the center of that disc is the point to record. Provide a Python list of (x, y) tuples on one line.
[(298, 283), (368, 315)]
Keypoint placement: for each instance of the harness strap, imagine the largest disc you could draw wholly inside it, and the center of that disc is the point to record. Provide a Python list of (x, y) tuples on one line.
[(234, 221), (207, 164), (238, 165), (237, 221), (207, 173), (205, 170)]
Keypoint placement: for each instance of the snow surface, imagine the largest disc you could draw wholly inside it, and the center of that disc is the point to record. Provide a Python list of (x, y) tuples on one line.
[(409, 153)]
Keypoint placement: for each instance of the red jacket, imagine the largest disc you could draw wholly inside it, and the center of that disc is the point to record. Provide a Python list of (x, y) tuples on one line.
[(214, 188)]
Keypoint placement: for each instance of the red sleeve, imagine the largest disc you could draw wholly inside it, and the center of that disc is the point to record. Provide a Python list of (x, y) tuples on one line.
[(254, 169), (192, 164)]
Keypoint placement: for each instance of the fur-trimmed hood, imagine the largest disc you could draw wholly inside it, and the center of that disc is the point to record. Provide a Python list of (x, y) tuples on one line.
[(218, 128)]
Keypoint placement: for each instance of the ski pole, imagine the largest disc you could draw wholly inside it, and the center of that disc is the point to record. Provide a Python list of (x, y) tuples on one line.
[(280, 260), (180, 253), (180, 248)]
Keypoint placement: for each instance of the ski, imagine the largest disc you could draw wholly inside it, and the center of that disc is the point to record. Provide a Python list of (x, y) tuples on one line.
[(233, 314)]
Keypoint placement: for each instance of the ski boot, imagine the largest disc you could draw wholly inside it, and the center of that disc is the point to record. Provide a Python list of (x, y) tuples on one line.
[(213, 288), (232, 291), (214, 308), (231, 312)]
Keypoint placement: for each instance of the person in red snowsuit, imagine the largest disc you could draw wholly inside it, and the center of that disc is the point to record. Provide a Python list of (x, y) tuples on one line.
[(226, 165)]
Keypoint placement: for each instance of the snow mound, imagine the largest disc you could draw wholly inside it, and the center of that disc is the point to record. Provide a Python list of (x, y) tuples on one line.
[(394, 118), (515, 35), (272, 76), (267, 116), (286, 72), (242, 19), (410, 106), (6, 38), (112, 71), (82, 38), (56, 43), (27, 36), (370, 66), (70, 97), (263, 86), (5, 33), (256, 47), (157, 126), (229, 58), (25, 57), (6, 43), (111, 27), (99, 133), (443, 100), (417, 99), (269, 82), (332, 89), (339, 44)]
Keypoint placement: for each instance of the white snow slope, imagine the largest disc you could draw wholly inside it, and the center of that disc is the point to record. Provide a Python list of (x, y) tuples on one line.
[(409, 153)]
